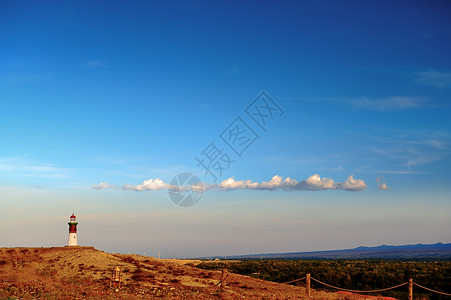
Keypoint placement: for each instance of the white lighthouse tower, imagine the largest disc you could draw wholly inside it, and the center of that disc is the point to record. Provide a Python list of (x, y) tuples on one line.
[(73, 231)]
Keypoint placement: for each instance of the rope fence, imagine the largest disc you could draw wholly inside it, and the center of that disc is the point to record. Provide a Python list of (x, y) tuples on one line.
[(296, 280), (431, 290), (307, 278), (410, 283), (357, 291)]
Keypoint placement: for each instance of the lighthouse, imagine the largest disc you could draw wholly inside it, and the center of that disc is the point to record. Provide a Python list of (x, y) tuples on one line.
[(73, 231)]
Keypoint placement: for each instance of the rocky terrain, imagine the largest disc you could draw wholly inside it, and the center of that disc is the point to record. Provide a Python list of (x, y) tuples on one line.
[(86, 273)]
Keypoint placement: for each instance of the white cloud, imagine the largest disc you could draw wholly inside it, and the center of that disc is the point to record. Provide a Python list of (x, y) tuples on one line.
[(313, 183), (381, 184), (148, 185), (232, 184), (394, 103), (434, 78), (413, 148), (435, 144), (421, 158), (388, 104), (16, 166), (102, 185), (352, 184)]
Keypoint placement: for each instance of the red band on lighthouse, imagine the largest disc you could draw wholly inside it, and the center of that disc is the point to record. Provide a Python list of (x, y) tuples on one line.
[(72, 228)]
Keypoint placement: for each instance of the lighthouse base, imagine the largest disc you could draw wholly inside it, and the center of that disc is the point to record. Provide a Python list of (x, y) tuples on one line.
[(72, 239)]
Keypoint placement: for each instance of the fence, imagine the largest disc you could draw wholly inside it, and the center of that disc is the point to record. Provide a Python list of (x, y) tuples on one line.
[(308, 278), (410, 283)]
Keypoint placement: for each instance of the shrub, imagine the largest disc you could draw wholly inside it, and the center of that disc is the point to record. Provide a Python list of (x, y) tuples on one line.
[(130, 260), (141, 275)]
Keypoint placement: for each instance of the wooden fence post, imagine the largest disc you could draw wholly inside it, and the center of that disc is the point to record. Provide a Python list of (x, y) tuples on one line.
[(410, 289), (224, 276), (307, 285)]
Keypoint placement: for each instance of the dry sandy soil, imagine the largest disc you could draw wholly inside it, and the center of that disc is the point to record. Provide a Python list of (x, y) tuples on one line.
[(86, 273)]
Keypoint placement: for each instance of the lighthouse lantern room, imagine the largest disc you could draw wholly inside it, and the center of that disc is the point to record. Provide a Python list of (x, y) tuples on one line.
[(73, 231)]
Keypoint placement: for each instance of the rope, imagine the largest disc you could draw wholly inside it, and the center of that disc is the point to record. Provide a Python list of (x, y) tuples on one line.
[(356, 291), (423, 287), (294, 280)]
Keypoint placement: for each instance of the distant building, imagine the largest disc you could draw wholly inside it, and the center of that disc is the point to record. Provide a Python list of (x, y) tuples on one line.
[(73, 231)]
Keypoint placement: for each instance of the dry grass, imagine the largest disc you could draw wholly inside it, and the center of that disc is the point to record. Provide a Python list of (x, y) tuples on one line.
[(85, 273)]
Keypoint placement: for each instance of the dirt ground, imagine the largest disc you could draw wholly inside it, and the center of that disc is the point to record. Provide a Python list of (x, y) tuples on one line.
[(86, 273)]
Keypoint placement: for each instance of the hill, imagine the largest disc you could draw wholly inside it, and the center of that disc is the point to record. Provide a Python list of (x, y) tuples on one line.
[(419, 251), (84, 272)]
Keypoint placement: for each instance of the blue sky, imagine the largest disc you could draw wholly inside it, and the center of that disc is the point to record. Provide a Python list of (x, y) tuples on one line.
[(102, 104)]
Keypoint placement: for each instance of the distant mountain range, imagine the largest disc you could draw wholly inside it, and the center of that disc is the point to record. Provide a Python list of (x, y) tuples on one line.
[(419, 251)]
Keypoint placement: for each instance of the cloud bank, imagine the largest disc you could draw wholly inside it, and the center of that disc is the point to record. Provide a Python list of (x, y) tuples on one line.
[(313, 183)]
